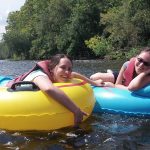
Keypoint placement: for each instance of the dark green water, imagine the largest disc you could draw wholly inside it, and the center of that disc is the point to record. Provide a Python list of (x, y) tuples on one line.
[(99, 132)]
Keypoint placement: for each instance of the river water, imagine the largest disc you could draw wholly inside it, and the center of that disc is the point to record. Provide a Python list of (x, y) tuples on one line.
[(99, 132)]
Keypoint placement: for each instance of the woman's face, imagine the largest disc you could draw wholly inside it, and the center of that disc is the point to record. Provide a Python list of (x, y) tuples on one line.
[(62, 71), (142, 62)]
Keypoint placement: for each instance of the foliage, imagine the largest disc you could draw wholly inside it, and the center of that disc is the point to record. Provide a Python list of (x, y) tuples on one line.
[(4, 52), (125, 55), (81, 25), (99, 46), (80, 28), (49, 27), (132, 52), (125, 25)]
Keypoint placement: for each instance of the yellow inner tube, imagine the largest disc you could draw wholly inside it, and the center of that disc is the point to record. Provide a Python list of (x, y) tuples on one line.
[(35, 110)]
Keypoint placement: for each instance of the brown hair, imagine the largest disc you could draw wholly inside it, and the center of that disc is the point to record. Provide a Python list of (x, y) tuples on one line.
[(145, 49), (54, 60)]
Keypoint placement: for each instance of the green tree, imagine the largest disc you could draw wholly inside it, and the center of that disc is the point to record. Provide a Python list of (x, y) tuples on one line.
[(82, 24), (42, 28), (4, 52), (21, 28), (100, 46), (49, 27), (127, 25)]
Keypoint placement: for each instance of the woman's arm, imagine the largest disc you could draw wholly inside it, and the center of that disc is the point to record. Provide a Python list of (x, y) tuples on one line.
[(140, 81), (82, 77), (119, 81), (46, 85)]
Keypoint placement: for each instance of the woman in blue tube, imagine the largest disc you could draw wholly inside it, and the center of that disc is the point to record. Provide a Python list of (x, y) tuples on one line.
[(137, 73), (133, 75)]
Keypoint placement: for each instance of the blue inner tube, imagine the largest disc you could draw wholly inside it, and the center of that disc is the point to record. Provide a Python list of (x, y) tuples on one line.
[(145, 92), (4, 80), (115, 100)]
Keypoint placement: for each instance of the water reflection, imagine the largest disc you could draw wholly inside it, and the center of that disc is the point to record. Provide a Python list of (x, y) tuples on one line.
[(100, 131)]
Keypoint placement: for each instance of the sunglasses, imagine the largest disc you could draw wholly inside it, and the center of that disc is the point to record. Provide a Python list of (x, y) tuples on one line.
[(140, 60)]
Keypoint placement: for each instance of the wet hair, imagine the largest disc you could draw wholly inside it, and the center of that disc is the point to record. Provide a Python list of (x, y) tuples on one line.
[(54, 60), (145, 49)]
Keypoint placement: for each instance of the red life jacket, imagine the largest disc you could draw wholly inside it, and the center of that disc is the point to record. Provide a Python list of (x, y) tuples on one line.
[(129, 72), (43, 65)]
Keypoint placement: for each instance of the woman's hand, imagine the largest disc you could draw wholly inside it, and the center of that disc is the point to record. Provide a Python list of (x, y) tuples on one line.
[(82, 77), (101, 83), (78, 116), (109, 84), (98, 83)]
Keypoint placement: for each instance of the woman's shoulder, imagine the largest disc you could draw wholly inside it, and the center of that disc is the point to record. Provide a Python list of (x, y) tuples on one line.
[(125, 65), (34, 74)]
